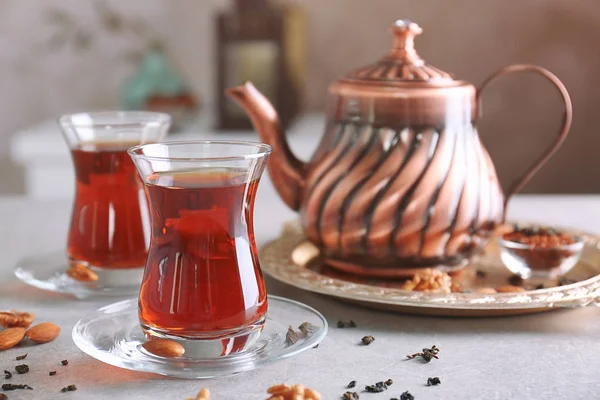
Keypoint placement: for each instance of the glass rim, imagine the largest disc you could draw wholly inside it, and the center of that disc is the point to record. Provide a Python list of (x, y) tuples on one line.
[(264, 150), (137, 118)]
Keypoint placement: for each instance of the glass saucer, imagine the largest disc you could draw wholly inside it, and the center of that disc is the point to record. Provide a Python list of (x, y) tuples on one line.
[(113, 335), (47, 272)]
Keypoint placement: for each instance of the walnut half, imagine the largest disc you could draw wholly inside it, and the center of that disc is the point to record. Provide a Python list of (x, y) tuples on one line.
[(429, 280), (16, 319), (296, 392)]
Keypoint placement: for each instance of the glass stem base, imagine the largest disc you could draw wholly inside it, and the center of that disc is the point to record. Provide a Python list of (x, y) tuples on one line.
[(113, 277), (212, 344)]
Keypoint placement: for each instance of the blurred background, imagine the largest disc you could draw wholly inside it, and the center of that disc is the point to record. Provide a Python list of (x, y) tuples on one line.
[(59, 56)]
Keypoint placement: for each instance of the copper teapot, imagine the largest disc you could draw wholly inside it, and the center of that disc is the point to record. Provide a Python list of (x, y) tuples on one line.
[(400, 180)]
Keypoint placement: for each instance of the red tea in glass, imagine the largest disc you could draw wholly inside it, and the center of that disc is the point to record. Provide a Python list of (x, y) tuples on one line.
[(110, 223), (202, 279)]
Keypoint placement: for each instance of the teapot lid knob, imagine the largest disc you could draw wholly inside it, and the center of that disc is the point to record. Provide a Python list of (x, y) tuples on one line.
[(401, 65), (404, 41)]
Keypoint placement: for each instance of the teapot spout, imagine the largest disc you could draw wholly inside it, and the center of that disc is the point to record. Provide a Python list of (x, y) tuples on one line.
[(286, 171)]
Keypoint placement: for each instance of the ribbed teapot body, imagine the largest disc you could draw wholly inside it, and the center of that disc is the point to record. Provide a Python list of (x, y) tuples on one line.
[(385, 200)]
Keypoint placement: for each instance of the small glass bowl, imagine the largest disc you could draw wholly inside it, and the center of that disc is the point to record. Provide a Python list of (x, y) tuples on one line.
[(530, 261)]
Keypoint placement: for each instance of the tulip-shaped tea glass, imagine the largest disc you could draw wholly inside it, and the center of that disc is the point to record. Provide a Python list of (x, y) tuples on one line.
[(202, 285), (109, 231)]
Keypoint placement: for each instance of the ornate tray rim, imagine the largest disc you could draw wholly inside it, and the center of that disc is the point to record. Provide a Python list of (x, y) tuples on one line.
[(578, 294)]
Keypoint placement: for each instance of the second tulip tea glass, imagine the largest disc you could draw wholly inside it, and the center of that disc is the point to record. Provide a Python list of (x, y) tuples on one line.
[(202, 285), (109, 231), (110, 222)]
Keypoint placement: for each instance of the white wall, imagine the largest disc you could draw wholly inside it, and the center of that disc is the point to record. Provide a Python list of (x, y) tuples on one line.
[(37, 83), (471, 38)]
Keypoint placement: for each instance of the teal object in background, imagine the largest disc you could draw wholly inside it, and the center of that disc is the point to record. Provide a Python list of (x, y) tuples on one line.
[(154, 78)]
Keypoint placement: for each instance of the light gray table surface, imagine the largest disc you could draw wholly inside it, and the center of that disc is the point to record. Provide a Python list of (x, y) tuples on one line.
[(546, 356)]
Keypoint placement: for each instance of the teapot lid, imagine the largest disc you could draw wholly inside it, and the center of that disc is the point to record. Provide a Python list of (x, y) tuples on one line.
[(402, 89), (402, 64)]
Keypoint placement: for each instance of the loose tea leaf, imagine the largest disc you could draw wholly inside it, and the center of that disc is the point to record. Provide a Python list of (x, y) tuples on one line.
[(367, 340), (70, 388), (407, 396), (52, 373), (349, 324), (291, 336), (19, 358), (427, 354), (7, 374), (350, 396), (566, 281), (515, 280), (376, 388), (433, 381), (10, 386), (22, 369), (306, 328), (389, 382), (65, 362), (351, 384)]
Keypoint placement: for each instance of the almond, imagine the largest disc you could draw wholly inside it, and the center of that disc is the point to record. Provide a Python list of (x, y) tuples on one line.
[(11, 337), (509, 289), (43, 333), (305, 254), (164, 348), (204, 394), (486, 290), (82, 273), (455, 287)]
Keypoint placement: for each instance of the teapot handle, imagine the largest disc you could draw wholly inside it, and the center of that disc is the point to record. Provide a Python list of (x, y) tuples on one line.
[(564, 131)]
